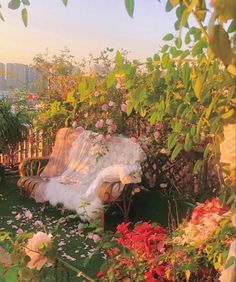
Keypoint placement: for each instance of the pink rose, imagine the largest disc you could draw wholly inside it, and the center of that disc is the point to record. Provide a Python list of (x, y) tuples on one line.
[(19, 231), (159, 125), (133, 139), (105, 107), (96, 94), (112, 128), (123, 107), (35, 249), (74, 124), (99, 123), (109, 121), (156, 134), (111, 104), (79, 129)]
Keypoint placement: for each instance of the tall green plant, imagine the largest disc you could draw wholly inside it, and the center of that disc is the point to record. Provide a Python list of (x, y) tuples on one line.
[(14, 125)]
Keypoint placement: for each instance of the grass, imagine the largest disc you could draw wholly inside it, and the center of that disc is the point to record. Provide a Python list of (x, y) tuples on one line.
[(73, 246)]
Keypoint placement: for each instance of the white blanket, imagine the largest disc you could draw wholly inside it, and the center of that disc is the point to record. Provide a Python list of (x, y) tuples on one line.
[(91, 163)]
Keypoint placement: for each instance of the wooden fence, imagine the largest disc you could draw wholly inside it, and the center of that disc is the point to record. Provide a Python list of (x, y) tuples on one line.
[(34, 146)]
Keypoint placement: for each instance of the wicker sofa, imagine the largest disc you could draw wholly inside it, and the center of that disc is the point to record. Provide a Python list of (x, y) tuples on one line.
[(38, 171)]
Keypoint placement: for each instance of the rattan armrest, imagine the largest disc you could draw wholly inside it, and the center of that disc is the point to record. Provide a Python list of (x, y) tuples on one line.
[(26, 161)]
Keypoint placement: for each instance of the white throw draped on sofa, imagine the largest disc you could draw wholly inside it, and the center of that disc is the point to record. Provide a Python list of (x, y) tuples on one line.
[(92, 162)]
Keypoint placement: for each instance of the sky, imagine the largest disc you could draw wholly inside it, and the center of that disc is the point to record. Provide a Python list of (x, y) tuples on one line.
[(84, 27)]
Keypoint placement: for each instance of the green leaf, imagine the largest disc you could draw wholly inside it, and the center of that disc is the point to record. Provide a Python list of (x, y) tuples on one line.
[(233, 208), (193, 130), (129, 5), (197, 166), (187, 38), (228, 114), (111, 79), (107, 245), (129, 108), (232, 27), (26, 2), (178, 42), (165, 48), (119, 58), (171, 141), (11, 275), (65, 2), (230, 262), (168, 37), (153, 118), (176, 151), (198, 86), (1, 269), (220, 44), (198, 48), (177, 127), (24, 16), (187, 143), (184, 18), (169, 6), (14, 4)]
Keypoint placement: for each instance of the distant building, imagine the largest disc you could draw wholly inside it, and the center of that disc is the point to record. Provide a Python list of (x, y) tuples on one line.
[(2, 77), (16, 76), (33, 78)]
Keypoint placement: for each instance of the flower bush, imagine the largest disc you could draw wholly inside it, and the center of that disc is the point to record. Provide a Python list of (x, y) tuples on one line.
[(148, 252), (135, 254)]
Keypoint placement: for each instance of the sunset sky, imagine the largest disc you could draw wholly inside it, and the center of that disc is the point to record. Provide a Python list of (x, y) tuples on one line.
[(85, 26)]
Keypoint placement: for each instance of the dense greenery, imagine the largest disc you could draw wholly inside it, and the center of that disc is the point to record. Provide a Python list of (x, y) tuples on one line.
[(175, 105), (14, 126)]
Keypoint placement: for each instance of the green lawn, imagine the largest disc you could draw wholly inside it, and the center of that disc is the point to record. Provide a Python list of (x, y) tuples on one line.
[(73, 246)]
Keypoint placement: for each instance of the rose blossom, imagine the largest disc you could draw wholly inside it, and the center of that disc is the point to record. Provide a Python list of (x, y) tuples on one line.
[(34, 248), (109, 121), (123, 107), (74, 124), (111, 104), (156, 134), (96, 94), (79, 129), (133, 139), (99, 123), (105, 107), (112, 128), (19, 231), (159, 125)]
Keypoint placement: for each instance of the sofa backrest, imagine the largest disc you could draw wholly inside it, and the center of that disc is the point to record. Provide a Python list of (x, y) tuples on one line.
[(59, 158)]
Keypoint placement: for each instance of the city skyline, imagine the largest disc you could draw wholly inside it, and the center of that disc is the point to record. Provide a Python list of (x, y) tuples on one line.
[(16, 76)]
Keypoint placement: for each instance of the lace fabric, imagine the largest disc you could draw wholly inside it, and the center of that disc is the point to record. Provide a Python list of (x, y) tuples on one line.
[(91, 163)]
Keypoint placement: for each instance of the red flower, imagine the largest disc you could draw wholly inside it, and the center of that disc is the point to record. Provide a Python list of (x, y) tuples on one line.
[(210, 206), (161, 270), (99, 274)]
